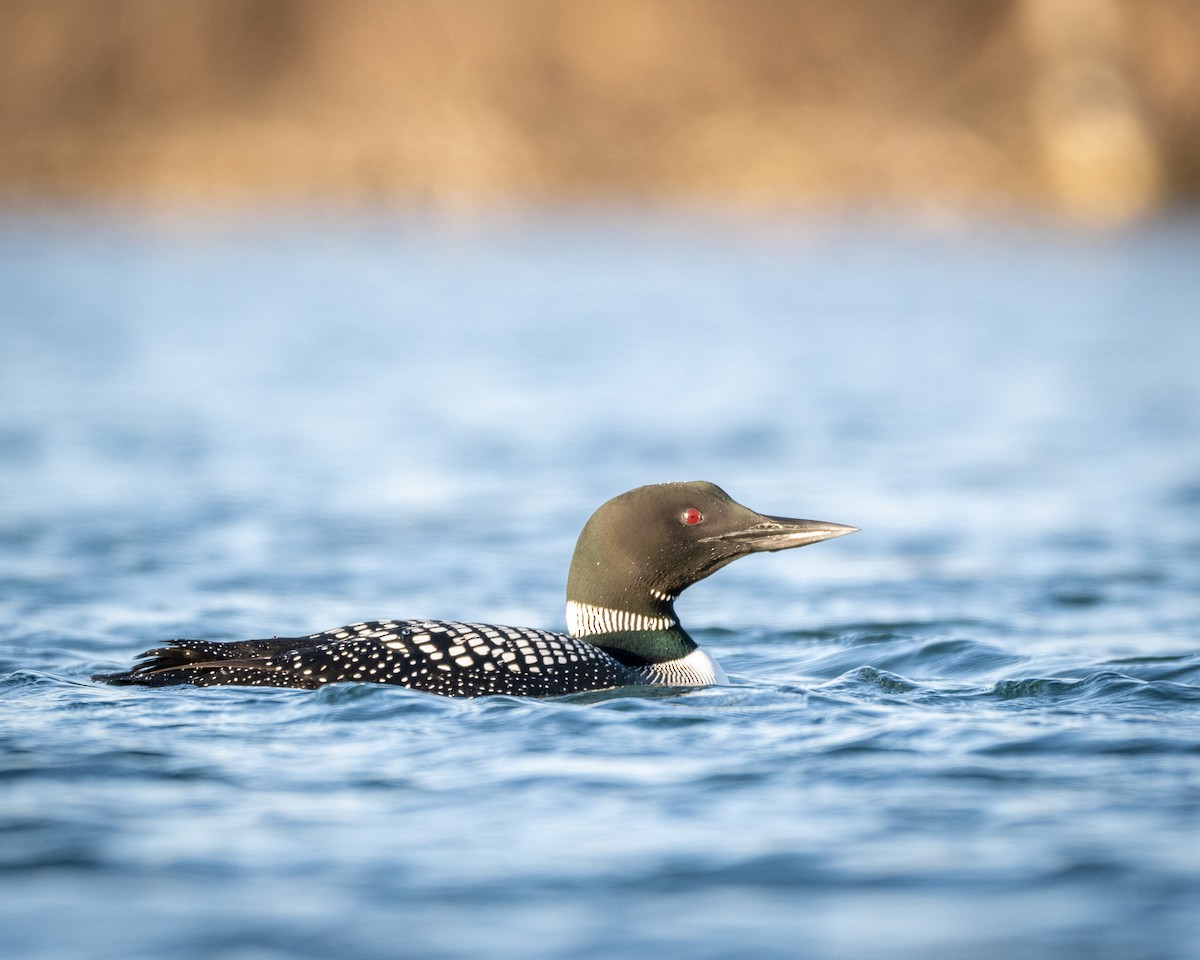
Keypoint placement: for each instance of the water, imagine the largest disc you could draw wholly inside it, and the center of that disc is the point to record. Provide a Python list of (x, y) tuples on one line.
[(972, 729)]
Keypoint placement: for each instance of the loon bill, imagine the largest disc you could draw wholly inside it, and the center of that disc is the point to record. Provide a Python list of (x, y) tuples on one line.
[(636, 554)]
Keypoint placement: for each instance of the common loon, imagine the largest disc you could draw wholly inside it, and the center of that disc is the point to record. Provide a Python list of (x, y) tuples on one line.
[(636, 554)]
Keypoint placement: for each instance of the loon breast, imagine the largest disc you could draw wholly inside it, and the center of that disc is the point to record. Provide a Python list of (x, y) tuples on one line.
[(697, 669)]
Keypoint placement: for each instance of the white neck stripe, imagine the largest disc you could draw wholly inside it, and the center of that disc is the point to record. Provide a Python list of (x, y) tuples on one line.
[(584, 620)]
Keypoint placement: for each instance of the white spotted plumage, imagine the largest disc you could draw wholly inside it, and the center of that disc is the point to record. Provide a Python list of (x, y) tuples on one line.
[(444, 657)]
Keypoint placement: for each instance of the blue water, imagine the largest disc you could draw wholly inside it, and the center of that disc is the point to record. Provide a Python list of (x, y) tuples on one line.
[(971, 730)]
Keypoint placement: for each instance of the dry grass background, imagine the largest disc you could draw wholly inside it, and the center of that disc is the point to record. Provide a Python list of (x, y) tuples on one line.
[(1086, 107)]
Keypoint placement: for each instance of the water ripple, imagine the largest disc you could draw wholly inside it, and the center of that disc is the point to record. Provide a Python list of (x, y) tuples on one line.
[(970, 731)]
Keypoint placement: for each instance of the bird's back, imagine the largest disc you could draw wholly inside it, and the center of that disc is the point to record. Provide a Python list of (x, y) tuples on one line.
[(439, 656)]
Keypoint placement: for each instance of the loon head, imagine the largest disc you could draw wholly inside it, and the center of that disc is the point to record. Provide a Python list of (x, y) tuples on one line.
[(640, 550)]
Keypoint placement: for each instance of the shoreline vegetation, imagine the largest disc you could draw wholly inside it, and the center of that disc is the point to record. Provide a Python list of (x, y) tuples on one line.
[(1087, 109)]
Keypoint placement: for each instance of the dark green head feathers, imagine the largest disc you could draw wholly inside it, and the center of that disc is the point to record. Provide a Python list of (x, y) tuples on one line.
[(640, 550)]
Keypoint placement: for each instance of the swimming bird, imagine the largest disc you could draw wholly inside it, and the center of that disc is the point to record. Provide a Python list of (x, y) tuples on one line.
[(636, 554)]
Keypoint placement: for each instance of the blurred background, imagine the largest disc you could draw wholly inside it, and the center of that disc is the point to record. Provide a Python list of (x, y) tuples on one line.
[(1088, 108)]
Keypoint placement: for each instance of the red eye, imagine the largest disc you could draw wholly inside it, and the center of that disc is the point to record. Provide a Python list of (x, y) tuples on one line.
[(692, 516)]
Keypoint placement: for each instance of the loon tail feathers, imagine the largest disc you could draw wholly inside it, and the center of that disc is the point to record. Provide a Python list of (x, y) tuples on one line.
[(205, 663)]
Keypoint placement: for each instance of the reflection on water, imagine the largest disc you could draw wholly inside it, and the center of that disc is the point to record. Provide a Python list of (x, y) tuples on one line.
[(969, 730)]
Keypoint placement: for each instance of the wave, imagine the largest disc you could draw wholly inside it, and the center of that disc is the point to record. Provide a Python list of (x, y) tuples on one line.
[(1103, 686)]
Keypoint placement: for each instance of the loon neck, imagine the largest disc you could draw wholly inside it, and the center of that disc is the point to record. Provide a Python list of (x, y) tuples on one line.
[(637, 633)]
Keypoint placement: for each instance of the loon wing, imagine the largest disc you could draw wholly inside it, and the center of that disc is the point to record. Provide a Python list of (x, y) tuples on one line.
[(207, 663), (444, 657)]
